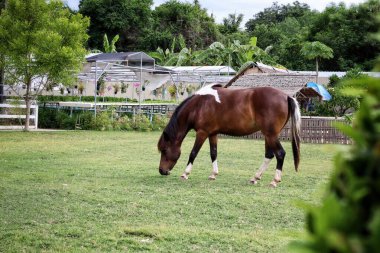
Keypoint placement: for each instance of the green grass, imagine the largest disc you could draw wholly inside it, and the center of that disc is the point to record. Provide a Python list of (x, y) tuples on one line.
[(101, 192)]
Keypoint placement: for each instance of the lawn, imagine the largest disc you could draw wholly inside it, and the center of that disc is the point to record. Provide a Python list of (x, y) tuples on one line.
[(101, 192)]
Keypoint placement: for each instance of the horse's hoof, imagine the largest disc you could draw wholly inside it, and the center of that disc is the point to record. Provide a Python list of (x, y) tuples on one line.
[(273, 184), (252, 181), (212, 177), (184, 177)]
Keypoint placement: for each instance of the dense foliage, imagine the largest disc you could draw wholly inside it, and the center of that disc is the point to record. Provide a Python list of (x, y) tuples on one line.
[(349, 218), (105, 120), (281, 30), (126, 18), (174, 18)]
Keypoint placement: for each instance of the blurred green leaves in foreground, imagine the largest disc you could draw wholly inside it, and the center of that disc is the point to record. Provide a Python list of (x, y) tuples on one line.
[(349, 218)]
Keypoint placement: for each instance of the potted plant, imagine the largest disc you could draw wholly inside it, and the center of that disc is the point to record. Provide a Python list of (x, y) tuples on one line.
[(80, 88), (123, 87), (190, 89), (116, 88), (172, 89)]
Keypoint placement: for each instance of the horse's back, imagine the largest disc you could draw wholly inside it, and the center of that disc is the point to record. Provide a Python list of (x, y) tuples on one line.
[(261, 108)]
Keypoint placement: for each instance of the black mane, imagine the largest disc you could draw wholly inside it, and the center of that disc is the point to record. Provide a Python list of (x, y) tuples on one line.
[(170, 132), (172, 128)]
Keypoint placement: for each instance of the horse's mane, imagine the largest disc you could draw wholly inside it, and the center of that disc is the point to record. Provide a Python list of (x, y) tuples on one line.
[(170, 131)]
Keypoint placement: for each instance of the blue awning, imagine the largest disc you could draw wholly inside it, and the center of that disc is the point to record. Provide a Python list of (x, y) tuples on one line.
[(320, 89)]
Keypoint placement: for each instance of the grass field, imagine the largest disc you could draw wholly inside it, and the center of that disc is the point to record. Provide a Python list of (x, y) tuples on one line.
[(101, 192)]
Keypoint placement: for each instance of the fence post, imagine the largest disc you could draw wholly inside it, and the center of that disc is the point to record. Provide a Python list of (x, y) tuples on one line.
[(36, 116)]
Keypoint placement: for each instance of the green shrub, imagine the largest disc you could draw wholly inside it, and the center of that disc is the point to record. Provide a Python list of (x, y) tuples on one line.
[(141, 123), (47, 118), (348, 220), (159, 122), (125, 123), (85, 120), (105, 121), (102, 122), (64, 120)]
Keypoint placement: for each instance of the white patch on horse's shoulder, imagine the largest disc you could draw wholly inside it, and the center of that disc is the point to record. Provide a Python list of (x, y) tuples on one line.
[(208, 90)]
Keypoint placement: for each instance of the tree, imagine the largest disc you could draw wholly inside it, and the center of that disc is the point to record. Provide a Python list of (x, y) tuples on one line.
[(174, 18), (2, 6), (316, 50), (231, 24), (128, 18), (349, 32), (277, 14), (42, 45), (233, 54)]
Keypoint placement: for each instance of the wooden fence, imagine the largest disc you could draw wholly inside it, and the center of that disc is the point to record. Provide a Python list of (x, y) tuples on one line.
[(7, 113), (313, 130)]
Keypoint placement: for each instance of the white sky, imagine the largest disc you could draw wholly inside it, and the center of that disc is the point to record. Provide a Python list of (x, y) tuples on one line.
[(220, 9)]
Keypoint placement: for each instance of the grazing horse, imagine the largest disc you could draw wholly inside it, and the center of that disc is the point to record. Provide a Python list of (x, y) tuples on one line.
[(216, 110)]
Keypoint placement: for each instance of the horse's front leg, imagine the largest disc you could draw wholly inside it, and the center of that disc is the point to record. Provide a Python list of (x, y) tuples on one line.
[(213, 139), (200, 138)]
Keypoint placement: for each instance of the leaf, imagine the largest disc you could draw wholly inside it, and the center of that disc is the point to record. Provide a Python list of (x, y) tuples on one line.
[(253, 41)]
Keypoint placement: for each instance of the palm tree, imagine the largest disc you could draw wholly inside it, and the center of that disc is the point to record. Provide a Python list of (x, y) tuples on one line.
[(232, 23), (316, 50)]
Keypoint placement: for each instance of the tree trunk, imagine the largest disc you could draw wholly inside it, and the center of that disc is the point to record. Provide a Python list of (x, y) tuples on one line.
[(27, 104), (1, 85), (316, 64)]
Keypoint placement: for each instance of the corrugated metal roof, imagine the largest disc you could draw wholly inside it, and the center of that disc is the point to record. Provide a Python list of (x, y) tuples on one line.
[(121, 57), (203, 69)]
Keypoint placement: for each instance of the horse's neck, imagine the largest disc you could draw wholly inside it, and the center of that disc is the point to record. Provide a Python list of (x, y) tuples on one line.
[(182, 127)]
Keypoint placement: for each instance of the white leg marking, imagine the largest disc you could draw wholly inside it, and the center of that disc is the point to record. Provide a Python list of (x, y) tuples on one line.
[(261, 171), (187, 172), (215, 171), (277, 178)]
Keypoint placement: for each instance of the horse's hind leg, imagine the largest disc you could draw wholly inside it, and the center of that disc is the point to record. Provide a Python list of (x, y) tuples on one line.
[(199, 140), (280, 153), (268, 157), (213, 139)]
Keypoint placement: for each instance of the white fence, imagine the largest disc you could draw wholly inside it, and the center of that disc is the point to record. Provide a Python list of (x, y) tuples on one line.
[(7, 114)]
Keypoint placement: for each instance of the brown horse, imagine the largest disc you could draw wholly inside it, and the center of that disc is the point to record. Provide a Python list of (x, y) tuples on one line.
[(216, 110)]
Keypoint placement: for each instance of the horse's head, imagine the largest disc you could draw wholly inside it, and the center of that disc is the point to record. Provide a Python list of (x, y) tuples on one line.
[(170, 153)]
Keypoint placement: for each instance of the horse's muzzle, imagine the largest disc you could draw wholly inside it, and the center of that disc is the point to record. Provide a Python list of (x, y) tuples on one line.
[(164, 172)]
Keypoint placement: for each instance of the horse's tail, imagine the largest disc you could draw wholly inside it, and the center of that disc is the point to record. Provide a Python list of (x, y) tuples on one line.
[(295, 116)]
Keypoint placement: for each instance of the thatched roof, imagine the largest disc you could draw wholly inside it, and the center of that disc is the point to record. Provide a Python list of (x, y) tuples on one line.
[(289, 83), (258, 75)]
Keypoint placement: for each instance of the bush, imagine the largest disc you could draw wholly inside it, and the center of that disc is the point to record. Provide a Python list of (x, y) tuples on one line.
[(141, 123), (47, 118), (349, 218), (159, 122), (102, 122), (47, 98), (125, 123), (85, 120), (51, 118), (64, 120)]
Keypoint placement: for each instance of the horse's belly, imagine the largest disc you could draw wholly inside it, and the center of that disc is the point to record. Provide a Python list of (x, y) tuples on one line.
[(239, 130)]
